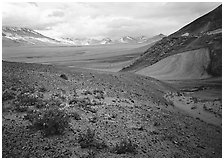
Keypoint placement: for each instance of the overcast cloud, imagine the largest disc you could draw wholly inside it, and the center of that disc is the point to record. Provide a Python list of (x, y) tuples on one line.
[(99, 20)]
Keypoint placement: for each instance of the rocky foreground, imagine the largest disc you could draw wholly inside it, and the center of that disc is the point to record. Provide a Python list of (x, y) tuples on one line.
[(55, 112)]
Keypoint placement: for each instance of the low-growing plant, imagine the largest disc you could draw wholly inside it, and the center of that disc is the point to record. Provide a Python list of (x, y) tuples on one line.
[(28, 89), (75, 115), (99, 96), (82, 102), (26, 99), (88, 140), (87, 92), (125, 146), (51, 121), (42, 89), (93, 119), (8, 95), (98, 91)]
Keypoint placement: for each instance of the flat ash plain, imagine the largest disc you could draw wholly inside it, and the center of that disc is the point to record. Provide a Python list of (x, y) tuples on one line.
[(109, 115)]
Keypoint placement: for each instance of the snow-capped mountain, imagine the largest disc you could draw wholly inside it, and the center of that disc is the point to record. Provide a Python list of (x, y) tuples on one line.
[(25, 36), (127, 39), (16, 36), (141, 39), (106, 41), (85, 41)]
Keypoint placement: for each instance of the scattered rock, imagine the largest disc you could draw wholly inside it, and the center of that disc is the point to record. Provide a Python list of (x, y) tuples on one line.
[(63, 76)]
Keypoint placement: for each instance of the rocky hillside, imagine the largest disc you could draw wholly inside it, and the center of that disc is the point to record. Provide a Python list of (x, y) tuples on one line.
[(188, 38), (55, 112), (209, 22)]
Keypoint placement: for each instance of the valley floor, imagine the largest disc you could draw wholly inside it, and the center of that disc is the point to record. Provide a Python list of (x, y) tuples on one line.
[(110, 114)]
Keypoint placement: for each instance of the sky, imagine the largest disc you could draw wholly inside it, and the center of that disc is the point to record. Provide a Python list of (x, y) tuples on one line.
[(100, 19)]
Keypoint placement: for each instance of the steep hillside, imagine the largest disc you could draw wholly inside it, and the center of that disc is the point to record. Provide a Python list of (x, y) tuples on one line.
[(182, 42), (209, 22), (186, 65)]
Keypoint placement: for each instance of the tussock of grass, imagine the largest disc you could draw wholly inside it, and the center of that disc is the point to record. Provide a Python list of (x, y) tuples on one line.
[(88, 140), (125, 146), (51, 121)]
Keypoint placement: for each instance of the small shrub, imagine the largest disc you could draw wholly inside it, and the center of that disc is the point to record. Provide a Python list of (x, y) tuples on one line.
[(99, 96), (125, 146), (87, 92), (42, 89), (26, 100), (98, 91), (88, 140), (81, 102), (50, 121), (91, 154), (75, 115), (28, 89), (21, 108), (7, 95), (96, 102), (93, 119), (41, 104), (60, 96)]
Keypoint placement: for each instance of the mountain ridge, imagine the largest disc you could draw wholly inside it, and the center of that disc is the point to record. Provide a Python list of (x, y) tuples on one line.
[(185, 40), (25, 36)]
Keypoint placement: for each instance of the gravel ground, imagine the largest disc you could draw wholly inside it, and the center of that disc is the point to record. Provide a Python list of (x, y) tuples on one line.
[(121, 106)]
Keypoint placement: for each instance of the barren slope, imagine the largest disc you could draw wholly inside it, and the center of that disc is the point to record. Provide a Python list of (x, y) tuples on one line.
[(187, 65)]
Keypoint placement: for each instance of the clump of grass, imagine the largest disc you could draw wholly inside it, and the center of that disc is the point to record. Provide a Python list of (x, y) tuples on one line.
[(60, 96), (42, 89), (51, 121), (25, 100), (125, 146), (84, 103), (8, 95), (99, 94), (87, 92), (75, 116), (88, 140)]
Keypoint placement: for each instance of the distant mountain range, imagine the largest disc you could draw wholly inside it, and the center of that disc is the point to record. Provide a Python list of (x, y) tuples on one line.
[(16, 36)]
